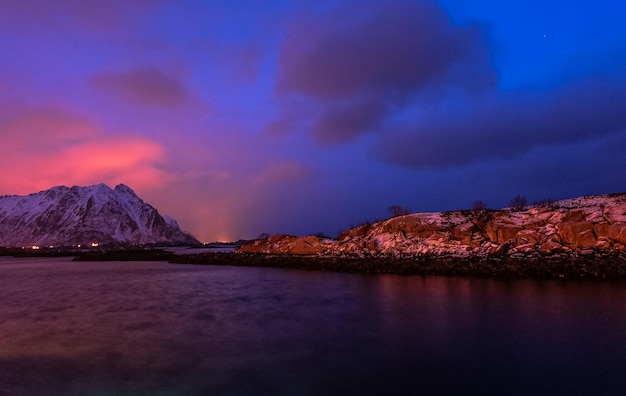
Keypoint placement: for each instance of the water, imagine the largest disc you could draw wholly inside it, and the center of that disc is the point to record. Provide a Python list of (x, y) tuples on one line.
[(138, 328)]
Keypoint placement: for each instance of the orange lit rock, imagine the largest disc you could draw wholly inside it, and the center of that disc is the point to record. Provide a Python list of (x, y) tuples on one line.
[(463, 233), (577, 233), (617, 232)]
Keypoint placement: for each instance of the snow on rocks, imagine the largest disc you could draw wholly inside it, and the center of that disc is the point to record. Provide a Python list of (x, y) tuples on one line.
[(579, 226)]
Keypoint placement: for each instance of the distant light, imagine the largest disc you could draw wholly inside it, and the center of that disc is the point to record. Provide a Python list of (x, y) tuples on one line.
[(95, 244), (35, 247)]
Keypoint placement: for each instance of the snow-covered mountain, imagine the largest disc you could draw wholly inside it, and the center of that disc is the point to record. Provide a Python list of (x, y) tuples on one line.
[(84, 215)]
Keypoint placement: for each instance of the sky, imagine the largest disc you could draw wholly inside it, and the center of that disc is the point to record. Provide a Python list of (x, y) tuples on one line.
[(244, 117)]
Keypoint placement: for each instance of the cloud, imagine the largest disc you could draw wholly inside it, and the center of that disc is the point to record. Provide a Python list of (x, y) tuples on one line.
[(146, 86), (29, 127), (425, 88), (393, 46), (342, 123), (46, 146), (505, 125), (130, 159), (357, 66)]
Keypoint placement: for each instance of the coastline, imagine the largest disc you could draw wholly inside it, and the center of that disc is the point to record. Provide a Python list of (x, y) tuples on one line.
[(595, 267), (606, 267)]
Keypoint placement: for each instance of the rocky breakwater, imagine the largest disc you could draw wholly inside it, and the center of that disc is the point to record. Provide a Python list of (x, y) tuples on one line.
[(593, 226)]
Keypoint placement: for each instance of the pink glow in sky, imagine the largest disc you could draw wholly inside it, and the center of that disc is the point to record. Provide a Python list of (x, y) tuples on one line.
[(244, 117)]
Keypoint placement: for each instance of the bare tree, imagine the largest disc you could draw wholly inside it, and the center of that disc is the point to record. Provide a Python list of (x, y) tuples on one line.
[(397, 210), (479, 205), (264, 235), (518, 203)]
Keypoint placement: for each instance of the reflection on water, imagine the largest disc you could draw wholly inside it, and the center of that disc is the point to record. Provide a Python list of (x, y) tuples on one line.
[(155, 328)]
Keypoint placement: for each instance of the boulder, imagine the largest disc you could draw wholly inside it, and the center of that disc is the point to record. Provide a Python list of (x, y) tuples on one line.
[(594, 214), (525, 248), (304, 246), (574, 215), (556, 237), (603, 244), (524, 237), (601, 230), (557, 216), (615, 214), (536, 211), (463, 233), (545, 216), (501, 233), (518, 218), (533, 223), (577, 233), (549, 247), (617, 232), (550, 230)]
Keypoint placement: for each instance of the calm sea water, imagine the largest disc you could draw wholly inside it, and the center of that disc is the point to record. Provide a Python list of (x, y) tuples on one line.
[(159, 329)]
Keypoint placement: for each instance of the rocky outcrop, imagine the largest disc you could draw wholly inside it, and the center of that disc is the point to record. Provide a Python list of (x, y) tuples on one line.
[(286, 244), (580, 226)]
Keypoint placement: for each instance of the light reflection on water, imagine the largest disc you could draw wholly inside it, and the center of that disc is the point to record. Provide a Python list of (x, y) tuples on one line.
[(156, 328)]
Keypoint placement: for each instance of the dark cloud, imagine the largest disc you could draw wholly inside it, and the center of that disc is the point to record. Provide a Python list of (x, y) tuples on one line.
[(507, 125), (355, 64), (395, 46), (344, 122), (147, 86), (426, 87)]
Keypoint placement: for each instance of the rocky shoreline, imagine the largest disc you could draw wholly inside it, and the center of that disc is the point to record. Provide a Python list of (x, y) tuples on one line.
[(598, 267), (605, 267)]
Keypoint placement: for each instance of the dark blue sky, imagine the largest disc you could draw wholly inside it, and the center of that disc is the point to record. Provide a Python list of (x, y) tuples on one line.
[(244, 117)]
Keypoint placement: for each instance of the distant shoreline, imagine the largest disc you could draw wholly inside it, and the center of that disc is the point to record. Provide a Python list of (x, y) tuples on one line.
[(594, 267), (603, 267), (579, 268)]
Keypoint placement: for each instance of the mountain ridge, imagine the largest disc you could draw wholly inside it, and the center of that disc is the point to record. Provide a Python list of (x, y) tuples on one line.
[(70, 216)]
